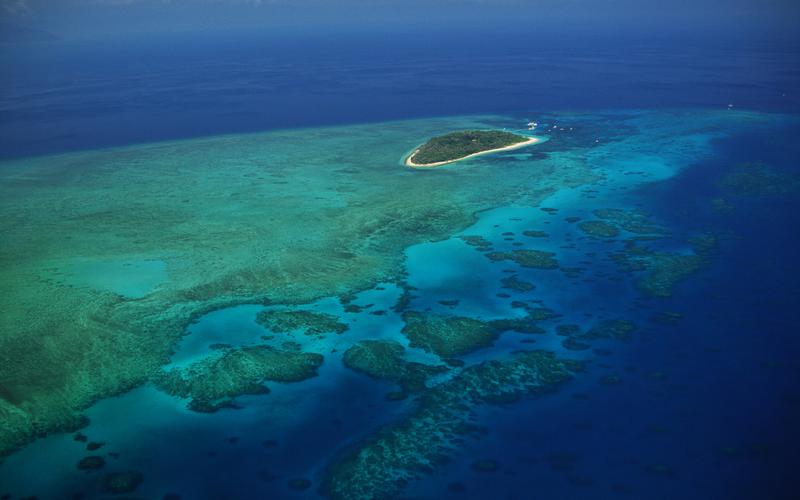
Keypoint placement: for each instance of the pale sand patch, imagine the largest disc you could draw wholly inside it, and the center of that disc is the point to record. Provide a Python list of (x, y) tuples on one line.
[(409, 163)]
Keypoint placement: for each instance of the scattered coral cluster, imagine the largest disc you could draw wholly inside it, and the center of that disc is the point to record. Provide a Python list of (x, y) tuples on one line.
[(384, 463), (452, 336), (212, 382), (633, 221), (384, 359), (661, 270), (758, 179), (598, 229), (447, 336), (538, 259), (308, 322), (576, 340)]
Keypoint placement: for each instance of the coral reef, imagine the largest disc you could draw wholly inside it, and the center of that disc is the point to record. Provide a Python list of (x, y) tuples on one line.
[(759, 180), (537, 259), (662, 271), (598, 229), (93, 462), (447, 336), (308, 322), (666, 318), (381, 465), (567, 330), (514, 283), (722, 206), (534, 234), (212, 381), (633, 221), (619, 329), (576, 340), (451, 336), (479, 242), (383, 359), (485, 465), (123, 482)]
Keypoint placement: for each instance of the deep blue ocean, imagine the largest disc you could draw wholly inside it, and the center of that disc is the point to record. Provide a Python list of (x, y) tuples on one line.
[(83, 95), (707, 409)]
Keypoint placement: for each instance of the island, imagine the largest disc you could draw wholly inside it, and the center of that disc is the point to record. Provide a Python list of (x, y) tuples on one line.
[(464, 144)]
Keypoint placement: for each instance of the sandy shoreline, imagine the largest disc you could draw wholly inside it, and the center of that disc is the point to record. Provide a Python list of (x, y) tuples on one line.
[(409, 163)]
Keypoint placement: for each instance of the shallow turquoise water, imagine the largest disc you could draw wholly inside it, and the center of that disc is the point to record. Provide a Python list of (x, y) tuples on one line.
[(131, 279)]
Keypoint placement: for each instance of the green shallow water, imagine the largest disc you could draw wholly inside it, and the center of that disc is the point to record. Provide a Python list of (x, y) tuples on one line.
[(131, 279), (108, 255)]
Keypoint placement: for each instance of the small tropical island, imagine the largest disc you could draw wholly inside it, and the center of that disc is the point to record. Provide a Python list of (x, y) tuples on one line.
[(464, 144)]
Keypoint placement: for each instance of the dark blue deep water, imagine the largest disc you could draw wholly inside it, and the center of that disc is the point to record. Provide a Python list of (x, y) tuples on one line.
[(82, 95), (705, 409)]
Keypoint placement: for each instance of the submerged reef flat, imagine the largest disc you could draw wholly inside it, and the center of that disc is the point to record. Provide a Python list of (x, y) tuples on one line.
[(598, 229), (758, 179), (514, 283), (447, 336), (452, 336), (284, 217), (381, 465), (308, 322), (456, 146), (537, 259), (633, 221), (577, 340), (620, 329), (383, 359), (211, 382), (662, 270), (219, 214)]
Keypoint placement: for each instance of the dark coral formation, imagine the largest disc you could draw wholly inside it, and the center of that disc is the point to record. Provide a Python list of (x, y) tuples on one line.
[(451, 336), (666, 270), (383, 359), (383, 464), (478, 242), (662, 270), (93, 462), (447, 336), (760, 180), (566, 330), (123, 482), (537, 259), (485, 465), (211, 382), (514, 283), (633, 221), (598, 229), (534, 234), (576, 340), (721, 206), (666, 318), (619, 329), (309, 322), (526, 324)]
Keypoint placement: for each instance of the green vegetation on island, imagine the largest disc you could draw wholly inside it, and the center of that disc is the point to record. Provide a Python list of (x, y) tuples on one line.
[(457, 145)]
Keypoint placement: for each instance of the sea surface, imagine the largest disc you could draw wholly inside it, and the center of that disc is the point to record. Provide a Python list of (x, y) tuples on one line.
[(161, 199)]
